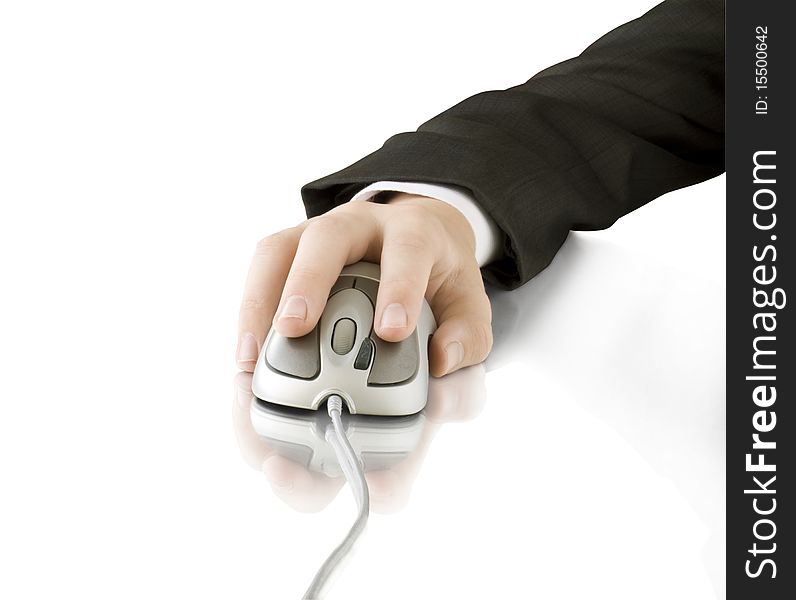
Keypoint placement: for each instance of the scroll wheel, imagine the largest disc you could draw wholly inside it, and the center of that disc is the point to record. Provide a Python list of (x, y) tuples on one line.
[(343, 336)]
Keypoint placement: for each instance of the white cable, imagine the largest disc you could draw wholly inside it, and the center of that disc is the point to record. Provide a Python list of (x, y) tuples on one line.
[(355, 475), (331, 439)]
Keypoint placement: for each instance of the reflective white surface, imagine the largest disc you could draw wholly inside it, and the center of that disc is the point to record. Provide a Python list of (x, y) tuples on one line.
[(144, 151), (587, 461)]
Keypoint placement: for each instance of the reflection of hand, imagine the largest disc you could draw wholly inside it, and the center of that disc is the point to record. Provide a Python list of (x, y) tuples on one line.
[(456, 397), (425, 248)]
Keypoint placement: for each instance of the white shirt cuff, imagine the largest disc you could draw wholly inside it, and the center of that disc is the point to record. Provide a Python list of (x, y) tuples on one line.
[(487, 235)]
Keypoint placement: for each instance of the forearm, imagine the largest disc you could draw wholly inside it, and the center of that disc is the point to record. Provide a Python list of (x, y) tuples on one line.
[(638, 114)]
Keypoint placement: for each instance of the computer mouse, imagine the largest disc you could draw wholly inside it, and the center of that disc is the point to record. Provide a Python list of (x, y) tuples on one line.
[(344, 356)]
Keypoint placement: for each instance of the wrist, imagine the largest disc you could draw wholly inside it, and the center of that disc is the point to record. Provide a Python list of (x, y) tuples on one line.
[(449, 217)]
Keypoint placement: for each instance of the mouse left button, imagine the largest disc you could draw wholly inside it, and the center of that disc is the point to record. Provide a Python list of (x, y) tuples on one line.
[(297, 357), (343, 283), (369, 287)]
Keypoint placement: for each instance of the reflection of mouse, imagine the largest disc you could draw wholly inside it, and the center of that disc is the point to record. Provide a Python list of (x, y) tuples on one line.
[(299, 435), (344, 356)]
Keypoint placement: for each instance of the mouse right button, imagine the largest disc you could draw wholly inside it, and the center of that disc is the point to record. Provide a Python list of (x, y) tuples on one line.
[(395, 362)]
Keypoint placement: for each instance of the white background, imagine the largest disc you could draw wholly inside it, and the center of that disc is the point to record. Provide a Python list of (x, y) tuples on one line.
[(146, 146)]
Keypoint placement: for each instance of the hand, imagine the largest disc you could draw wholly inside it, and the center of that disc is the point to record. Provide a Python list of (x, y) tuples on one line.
[(425, 247)]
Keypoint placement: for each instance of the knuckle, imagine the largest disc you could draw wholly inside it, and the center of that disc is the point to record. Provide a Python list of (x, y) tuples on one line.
[(301, 273), (404, 289), (422, 218), (274, 242), (407, 239), (458, 276), (415, 218), (254, 304), (327, 225), (351, 208), (481, 333), (453, 278)]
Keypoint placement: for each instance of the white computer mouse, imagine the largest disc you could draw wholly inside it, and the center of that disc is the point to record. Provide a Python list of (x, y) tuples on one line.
[(344, 356)]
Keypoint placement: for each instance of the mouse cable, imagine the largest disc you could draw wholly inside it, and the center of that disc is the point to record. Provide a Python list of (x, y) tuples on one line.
[(355, 475)]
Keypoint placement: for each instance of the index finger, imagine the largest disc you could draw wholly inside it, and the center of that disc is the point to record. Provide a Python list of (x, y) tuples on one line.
[(327, 244)]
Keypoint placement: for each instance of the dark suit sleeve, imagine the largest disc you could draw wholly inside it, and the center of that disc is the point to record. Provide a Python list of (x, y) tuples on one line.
[(639, 113)]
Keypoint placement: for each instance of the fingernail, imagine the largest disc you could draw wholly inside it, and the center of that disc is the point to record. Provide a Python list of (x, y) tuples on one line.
[(455, 353), (295, 307), (248, 348), (394, 316)]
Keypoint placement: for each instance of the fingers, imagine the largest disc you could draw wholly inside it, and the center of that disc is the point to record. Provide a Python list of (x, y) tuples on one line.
[(407, 258), (423, 248), (464, 335), (327, 244), (269, 267)]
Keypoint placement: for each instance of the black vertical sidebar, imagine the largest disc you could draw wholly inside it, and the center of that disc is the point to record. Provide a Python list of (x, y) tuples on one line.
[(761, 225)]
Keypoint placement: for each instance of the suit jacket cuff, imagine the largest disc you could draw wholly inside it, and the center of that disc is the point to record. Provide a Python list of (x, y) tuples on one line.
[(427, 157)]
